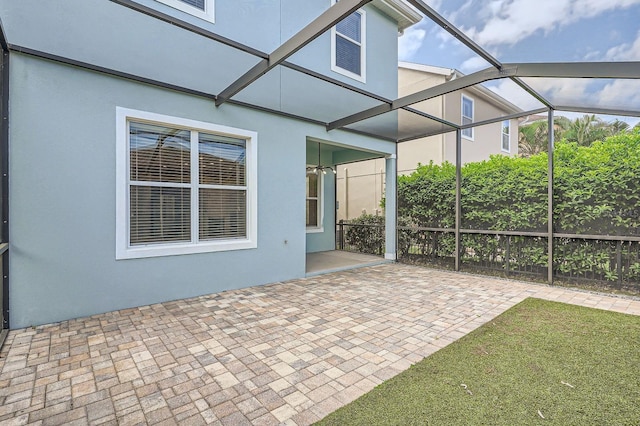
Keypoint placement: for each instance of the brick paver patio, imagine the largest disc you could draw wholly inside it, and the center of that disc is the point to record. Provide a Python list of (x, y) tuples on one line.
[(284, 353)]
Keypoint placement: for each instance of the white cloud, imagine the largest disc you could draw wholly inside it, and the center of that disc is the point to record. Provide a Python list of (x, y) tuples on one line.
[(473, 64), (443, 36), (560, 91), (509, 22), (594, 55), (563, 90), (590, 8), (410, 42), (453, 16), (623, 94), (435, 4), (615, 35), (514, 94), (625, 52), (583, 92)]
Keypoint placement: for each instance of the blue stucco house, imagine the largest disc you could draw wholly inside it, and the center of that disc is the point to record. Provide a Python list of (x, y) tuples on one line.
[(136, 169)]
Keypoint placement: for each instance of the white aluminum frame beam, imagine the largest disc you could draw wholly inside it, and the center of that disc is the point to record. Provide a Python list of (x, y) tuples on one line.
[(476, 124), (422, 95), (431, 117), (505, 117), (615, 70), (317, 27), (595, 110), (622, 70)]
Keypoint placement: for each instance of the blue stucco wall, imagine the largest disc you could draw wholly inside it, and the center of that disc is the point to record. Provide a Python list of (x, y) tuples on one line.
[(62, 188), (63, 146)]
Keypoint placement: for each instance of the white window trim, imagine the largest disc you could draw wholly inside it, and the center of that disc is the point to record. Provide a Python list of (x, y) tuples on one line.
[(320, 228), (363, 49), (208, 14), (123, 249), (473, 113), (502, 135)]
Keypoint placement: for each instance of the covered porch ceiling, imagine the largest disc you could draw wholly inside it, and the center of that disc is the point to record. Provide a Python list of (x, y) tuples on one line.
[(329, 153), (275, 82)]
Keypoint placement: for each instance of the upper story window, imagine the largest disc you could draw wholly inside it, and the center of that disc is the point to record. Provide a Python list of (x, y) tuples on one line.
[(183, 186), (506, 136), (203, 9), (348, 46), (467, 116)]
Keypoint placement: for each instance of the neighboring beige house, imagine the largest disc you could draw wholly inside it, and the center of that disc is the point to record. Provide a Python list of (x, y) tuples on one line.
[(360, 186)]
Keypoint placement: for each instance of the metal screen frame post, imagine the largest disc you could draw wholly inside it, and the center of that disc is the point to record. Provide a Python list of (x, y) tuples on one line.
[(458, 196), (4, 187), (397, 208), (550, 132)]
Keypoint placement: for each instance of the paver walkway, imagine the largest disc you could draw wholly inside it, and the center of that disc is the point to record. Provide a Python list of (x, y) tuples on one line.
[(284, 353)]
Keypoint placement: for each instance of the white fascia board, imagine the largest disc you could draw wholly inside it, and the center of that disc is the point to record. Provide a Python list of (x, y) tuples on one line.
[(426, 68), (401, 11)]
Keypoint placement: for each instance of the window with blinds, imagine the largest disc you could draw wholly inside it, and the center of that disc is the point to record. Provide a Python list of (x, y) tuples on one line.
[(186, 186), (467, 116), (160, 176), (162, 188), (348, 47), (222, 188), (313, 200)]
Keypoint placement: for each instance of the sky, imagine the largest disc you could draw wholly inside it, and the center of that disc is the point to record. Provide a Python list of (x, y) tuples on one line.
[(537, 31)]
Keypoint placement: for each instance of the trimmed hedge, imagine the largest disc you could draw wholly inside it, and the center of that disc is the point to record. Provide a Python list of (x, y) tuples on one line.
[(370, 239), (366, 239), (596, 192)]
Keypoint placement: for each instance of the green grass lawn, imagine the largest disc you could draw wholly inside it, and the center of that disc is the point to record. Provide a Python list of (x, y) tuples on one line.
[(539, 362)]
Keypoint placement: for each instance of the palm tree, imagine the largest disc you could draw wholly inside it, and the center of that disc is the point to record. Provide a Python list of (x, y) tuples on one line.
[(533, 138), (587, 130), (584, 131), (618, 126), (560, 126)]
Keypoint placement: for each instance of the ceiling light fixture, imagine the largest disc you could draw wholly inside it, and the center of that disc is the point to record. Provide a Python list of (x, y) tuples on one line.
[(320, 168)]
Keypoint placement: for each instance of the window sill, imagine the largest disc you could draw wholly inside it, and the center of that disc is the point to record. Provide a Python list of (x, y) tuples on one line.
[(315, 230), (181, 249), (347, 73)]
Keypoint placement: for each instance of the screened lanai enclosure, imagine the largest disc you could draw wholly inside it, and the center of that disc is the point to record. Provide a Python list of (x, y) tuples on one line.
[(590, 234), (570, 215)]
